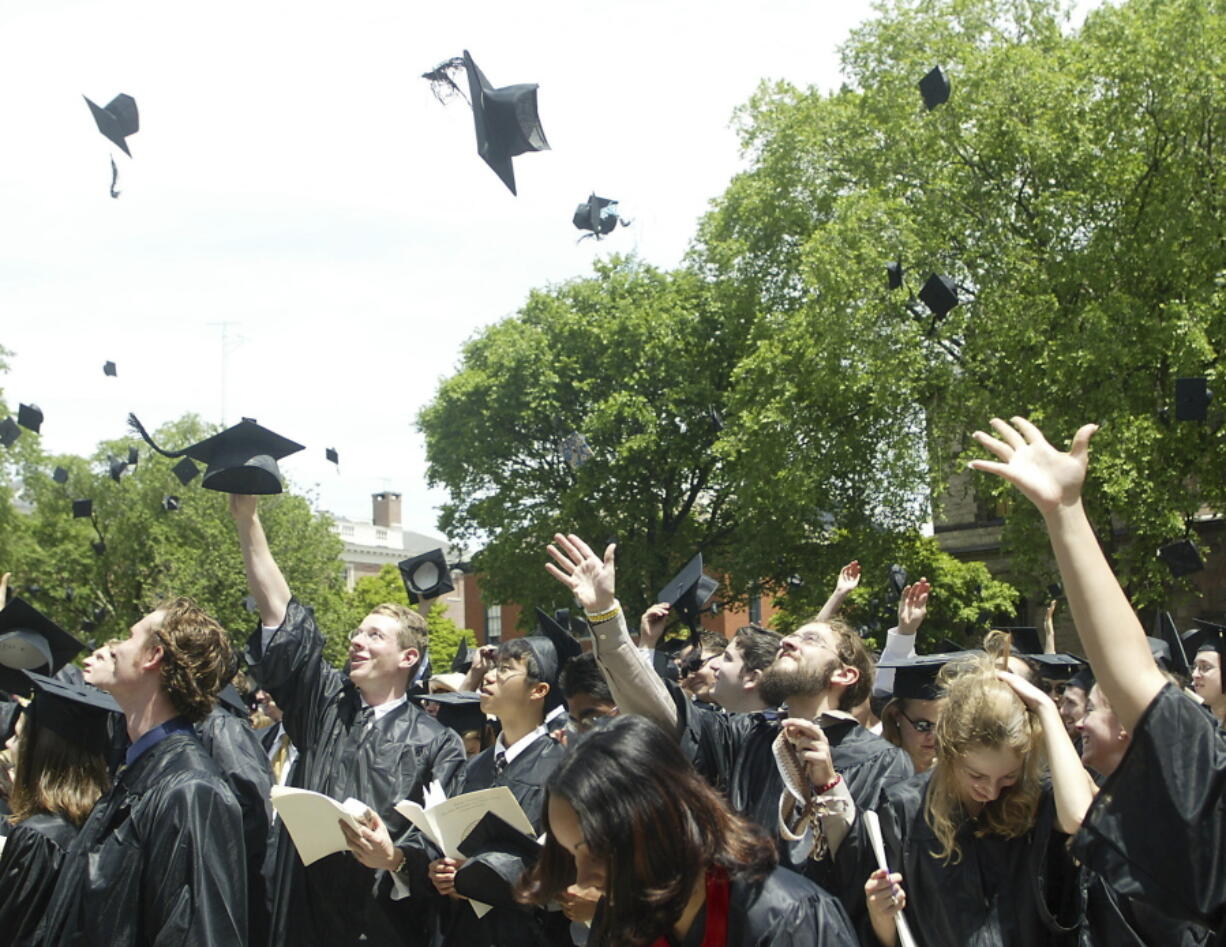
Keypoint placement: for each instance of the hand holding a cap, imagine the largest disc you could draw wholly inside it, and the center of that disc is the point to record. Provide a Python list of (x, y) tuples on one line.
[(589, 577), (244, 507), (651, 626), (812, 749)]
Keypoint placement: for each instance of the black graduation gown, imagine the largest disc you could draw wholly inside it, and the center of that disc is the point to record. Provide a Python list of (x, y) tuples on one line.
[(782, 910), (337, 900), (1018, 892), (29, 867), (160, 859), (1156, 831), (1112, 920), (238, 753), (734, 752), (509, 924)]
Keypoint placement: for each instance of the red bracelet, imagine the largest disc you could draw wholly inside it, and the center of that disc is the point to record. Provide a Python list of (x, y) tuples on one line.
[(821, 791)]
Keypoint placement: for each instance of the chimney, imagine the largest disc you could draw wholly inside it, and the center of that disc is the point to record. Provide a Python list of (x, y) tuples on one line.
[(386, 509)]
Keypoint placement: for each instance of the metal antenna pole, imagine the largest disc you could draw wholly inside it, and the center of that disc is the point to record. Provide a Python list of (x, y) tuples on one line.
[(227, 346)]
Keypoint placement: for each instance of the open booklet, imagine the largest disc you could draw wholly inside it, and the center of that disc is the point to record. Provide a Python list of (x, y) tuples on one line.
[(311, 818), (448, 822)]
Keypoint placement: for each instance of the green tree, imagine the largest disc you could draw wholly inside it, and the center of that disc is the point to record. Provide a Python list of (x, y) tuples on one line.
[(1071, 186)]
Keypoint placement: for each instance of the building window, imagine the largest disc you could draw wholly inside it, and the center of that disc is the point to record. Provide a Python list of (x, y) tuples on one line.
[(381, 535), (755, 609), (493, 624), (346, 530)]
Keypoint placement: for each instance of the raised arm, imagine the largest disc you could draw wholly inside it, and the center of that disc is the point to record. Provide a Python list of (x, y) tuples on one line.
[(636, 688), (1049, 628), (900, 640), (1113, 638), (268, 586), (849, 578)]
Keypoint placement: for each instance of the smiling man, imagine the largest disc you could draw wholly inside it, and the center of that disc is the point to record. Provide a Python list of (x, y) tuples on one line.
[(160, 858), (356, 735)]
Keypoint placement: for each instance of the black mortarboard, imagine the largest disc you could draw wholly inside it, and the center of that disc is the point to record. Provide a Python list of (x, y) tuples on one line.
[(426, 576), (1170, 634), (186, 471), (459, 710), (118, 120), (1161, 651), (915, 678), (331, 455), (10, 710), (82, 508), (689, 591), (506, 121), (549, 662), (170, 503), (232, 700), (1181, 557), (939, 294), (109, 369), (133, 456), (1055, 590), (240, 459), (565, 646), (597, 215), (9, 432), (30, 416), (494, 854), (75, 712), (1083, 679), (99, 547), (462, 660), (115, 467), (898, 579), (29, 639), (1192, 397), (934, 88), (60, 475), (1210, 636), (947, 646), (1026, 640), (893, 274), (1056, 667)]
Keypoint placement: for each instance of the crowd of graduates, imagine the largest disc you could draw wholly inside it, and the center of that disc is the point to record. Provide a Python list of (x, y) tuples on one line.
[(763, 790)]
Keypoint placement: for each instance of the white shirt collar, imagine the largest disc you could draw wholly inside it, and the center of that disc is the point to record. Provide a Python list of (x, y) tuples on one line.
[(387, 706), (519, 745)]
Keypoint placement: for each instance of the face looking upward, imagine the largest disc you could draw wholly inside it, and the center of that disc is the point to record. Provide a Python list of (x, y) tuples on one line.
[(1207, 680), (375, 656)]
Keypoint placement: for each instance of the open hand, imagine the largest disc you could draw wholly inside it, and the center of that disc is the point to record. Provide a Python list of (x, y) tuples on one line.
[(913, 606), (849, 578), (1049, 479), (589, 577)]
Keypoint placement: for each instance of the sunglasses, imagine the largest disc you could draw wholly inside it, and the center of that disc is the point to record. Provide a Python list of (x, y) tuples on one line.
[(920, 726)]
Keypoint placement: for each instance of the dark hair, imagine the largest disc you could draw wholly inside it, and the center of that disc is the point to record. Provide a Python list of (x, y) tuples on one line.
[(758, 647), (197, 659), (582, 675), (517, 649), (713, 641), (654, 822)]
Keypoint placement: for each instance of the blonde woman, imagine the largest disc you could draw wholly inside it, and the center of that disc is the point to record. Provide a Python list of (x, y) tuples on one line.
[(977, 840)]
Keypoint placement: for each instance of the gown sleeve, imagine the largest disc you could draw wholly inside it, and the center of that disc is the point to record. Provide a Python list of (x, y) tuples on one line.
[(29, 866), (1155, 830)]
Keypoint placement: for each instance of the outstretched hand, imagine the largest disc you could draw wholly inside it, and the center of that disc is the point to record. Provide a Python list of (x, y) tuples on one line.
[(849, 578), (589, 577), (913, 606), (1049, 478)]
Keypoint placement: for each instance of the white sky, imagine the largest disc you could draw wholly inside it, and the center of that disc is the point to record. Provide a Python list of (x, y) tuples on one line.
[(294, 177)]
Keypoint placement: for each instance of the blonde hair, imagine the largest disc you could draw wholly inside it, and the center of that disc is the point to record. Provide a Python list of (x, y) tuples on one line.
[(983, 712), (411, 630)]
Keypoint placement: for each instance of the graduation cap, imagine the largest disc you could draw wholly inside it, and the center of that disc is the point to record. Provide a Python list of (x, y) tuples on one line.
[(240, 459), (898, 579), (10, 711), (331, 455), (76, 712), (82, 508), (564, 644), (30, 416), (506, 121), (494, 852), (689, 591), (9, 432), (1170, 634), (1192, 397), (1058, 667), (1160, 650), (463, 660), (939, 294), (186, 471), (133, 456), (915, 678), (1026, 640), (893, 274), (1210, 636), (170, 503), (1083, 679), (549, 660), (29, 639), (99, 546), (60, 475), (1181, 557), (118, 120), (597, 215), (426, 576), (947, 646), (459, 710), (934, 88), (108, 369), (232, 700), (115, 467)]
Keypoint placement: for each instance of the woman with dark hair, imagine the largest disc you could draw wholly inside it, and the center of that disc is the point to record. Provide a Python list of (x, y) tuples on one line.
[(60, 772), (629, 816)]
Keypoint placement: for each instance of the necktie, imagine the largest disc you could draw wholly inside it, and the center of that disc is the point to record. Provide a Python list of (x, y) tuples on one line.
[(365, 716), (500, 763), (279, 756)]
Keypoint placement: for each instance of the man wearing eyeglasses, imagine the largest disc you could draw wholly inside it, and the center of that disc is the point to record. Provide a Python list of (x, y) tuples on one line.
[(357, 736)]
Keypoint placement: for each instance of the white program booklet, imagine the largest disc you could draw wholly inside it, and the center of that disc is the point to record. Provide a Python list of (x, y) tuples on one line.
[(312, 820), (873, 825)]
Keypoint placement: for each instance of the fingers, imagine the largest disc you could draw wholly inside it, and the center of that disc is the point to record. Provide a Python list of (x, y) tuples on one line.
[(563, 558), (609, 553), (585, 551), (1032, 434), (558, 573), (997, 447), (1009, 434), (797, 728), (1081, 440)]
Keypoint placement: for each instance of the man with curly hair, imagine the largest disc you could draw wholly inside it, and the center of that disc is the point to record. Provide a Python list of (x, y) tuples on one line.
[(357, 736), (160, 858)]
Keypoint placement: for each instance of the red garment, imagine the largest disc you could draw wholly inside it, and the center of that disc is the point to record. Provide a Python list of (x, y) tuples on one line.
[(716, 931)]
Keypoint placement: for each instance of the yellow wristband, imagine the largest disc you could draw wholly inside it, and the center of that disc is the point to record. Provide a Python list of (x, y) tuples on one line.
[(604, 616)]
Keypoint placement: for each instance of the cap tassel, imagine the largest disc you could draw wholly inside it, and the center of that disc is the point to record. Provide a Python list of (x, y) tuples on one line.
[(134, 423), (441, 83)]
